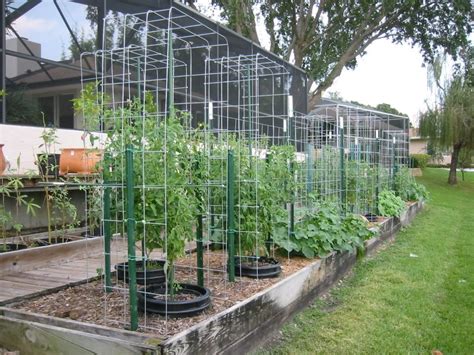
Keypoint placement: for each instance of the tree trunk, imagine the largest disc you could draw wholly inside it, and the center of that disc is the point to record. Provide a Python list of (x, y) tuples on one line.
[(452, 179)]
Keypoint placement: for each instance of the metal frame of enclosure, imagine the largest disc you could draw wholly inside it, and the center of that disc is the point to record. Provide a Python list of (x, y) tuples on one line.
[(237, 44)]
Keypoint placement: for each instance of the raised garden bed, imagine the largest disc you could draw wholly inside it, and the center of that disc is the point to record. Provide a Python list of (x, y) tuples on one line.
[(241, 316)]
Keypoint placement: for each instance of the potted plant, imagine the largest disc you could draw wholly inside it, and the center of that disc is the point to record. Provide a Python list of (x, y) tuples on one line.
[(84, 160), (269, 193)]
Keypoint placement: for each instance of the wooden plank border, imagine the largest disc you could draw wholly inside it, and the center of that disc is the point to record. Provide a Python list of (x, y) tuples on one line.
[(29, 259)]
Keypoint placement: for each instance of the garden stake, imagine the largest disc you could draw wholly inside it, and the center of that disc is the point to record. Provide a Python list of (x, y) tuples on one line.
[(309, 167), (230, 216), (199, 250), (292, 205), (132, 271), (107, 236), (342, 162)]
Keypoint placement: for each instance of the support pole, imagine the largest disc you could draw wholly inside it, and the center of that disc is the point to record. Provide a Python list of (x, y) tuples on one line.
[(200, 252), (132, 270), (107, 237), (342, 164), (377, 173), (309, 168), (292, 203), (3, 68), (230, 216), (395, 167)]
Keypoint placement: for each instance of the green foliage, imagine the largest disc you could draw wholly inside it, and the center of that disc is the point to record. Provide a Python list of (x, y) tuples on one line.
[(10, 188), (324, 37), (21, 108), (389, 204), (420, 160), (407, 188), (450, 124), (320, 230)]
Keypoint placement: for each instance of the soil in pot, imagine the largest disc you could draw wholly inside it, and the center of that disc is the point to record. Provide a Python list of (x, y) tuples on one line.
[(261, 267), (48, 166), (6, 247), (188, 300), (371, 217), (154, 273)]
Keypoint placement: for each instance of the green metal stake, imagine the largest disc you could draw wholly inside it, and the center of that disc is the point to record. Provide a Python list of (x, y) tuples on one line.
[(230, 216), (200, 252), (342, 166), (395, 167), (377, 177), (132, 268), (309, 168), (292, 204), (107, 237)]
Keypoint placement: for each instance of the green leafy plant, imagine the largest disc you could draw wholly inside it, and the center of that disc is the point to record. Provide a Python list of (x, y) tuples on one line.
[(320, 230), (407, 188), (389, 204), (11, 188), (49, 139), (420, 160)]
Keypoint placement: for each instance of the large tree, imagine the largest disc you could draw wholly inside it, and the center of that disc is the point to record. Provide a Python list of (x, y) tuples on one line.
[(450, 123), (325, 36)]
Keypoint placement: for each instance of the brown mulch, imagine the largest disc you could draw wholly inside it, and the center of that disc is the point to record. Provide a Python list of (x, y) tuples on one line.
[(89, 303)]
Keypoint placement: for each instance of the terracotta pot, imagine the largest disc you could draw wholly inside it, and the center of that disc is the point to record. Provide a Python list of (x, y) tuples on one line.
[(79, 160), (3, 161)]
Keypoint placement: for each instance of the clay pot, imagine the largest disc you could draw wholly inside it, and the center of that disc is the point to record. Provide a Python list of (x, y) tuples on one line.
[(79, 160), (3, 161)]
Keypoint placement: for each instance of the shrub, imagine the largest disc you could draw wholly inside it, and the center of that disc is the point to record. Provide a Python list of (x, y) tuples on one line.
[(407, 188), (420, 160), (390, 205)]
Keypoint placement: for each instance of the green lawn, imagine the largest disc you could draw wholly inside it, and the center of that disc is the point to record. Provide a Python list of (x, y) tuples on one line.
[(396, 303)]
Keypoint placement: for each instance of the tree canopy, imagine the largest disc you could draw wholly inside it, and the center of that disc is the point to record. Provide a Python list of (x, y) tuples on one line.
[(324, 37), (450, 124)]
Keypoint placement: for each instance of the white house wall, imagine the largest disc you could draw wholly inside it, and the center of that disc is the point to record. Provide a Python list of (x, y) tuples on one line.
[(25, 141)]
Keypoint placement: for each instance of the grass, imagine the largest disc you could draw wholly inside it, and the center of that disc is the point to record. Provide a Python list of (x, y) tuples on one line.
[(415, 297)]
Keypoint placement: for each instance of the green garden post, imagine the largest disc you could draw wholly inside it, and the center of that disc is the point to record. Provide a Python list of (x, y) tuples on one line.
[(395, 167), (377, 167), (230, 216), (342, 163), (132, 270), (199, 252), (309, 168), (292, 204), (107, 237)]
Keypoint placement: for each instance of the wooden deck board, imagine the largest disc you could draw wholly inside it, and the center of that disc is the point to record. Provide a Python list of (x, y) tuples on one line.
[(18, 284)]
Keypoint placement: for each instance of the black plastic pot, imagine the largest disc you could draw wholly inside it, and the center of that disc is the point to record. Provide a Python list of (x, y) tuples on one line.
[(49, 166), (151, 276), (4, 248), (246, 266), (371, 217), (150, 301), (92, 232), (54, 240)]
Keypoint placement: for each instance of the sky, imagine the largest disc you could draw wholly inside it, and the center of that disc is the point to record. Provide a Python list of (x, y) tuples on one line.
[(388, 73)]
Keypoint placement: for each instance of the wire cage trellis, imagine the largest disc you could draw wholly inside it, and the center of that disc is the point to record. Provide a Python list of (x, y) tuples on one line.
[(208, 171)]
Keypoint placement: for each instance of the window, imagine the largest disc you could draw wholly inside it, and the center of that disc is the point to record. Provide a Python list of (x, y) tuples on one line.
[(58, 110), (66, 111), (46, 106)]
